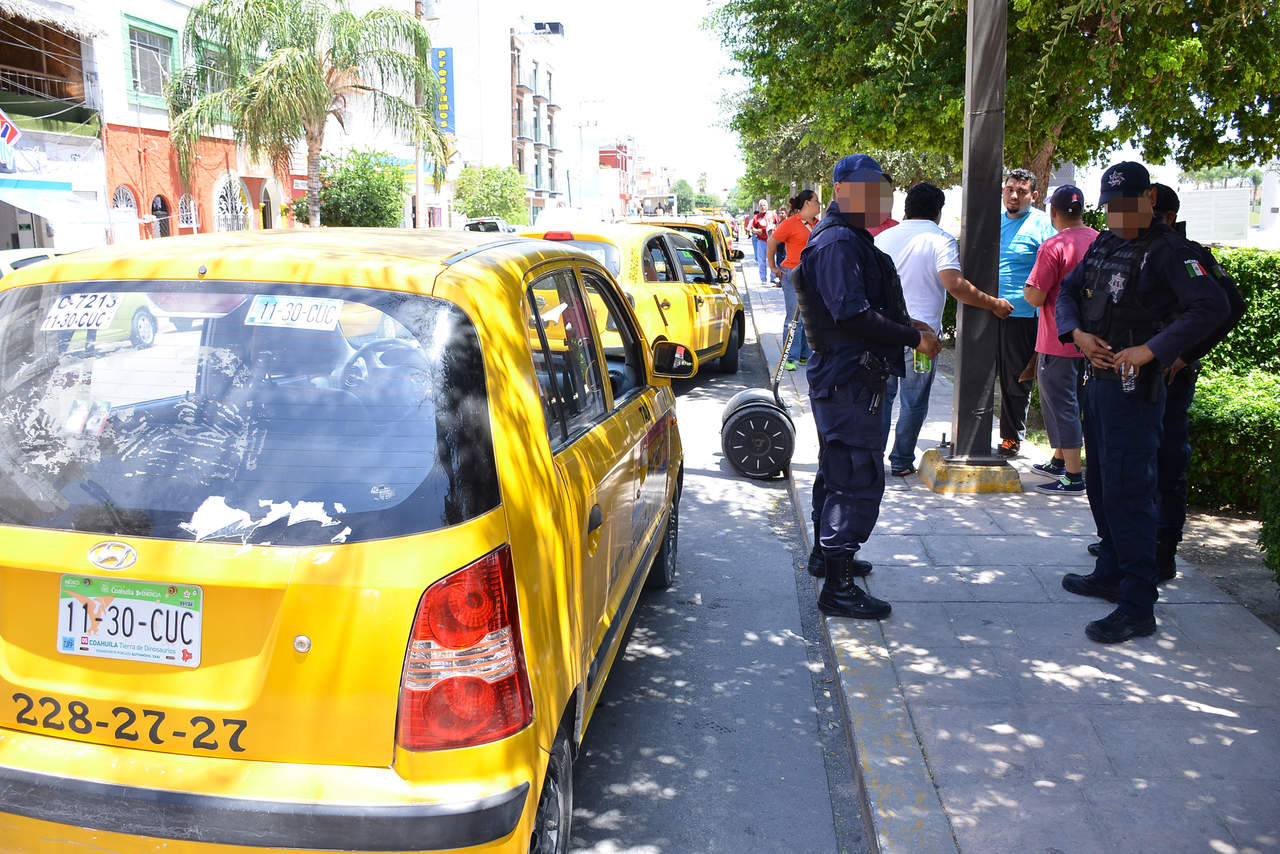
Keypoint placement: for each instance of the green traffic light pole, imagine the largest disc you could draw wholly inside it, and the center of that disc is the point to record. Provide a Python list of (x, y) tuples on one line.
[(976, 332)]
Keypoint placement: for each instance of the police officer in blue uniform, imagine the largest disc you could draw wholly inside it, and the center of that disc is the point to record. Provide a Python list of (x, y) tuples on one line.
[(1174, 455), (1133, 305), (853, 310)]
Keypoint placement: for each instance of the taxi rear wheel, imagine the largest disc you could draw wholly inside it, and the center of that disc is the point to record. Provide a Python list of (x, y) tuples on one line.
[(555, 804), (729, 361), (662, 574)]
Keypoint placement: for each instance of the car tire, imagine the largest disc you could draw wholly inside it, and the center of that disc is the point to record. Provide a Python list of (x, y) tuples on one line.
[(552, 823), (729, 361), (142, 329), (758, 441), (662, 572)]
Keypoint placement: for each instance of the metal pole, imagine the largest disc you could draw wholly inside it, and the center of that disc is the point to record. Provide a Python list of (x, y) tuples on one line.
[(976, 345)]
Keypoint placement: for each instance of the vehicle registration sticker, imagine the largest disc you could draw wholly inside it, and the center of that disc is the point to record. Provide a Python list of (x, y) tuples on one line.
[(294, 312), (81, 311), (130, 620)]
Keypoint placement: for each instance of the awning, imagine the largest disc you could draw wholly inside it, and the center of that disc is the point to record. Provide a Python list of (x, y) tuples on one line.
[(59, 15), (55, 201)]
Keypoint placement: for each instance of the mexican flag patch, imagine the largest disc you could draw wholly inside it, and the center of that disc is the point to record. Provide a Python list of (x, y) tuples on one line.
[(1194, 269)]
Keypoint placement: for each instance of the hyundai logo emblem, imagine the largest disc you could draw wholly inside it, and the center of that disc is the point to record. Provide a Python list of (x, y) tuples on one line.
[(113, 555)]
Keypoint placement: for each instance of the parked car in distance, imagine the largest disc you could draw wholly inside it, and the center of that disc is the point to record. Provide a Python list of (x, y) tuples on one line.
[(488, 223), (342, 566), (16, 259), (675, 290)]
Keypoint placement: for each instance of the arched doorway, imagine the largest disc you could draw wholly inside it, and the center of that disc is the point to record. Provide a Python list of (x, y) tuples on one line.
[(231, 205), (160, 210)]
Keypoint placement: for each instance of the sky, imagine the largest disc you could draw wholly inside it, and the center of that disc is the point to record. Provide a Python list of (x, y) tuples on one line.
[(649, 70)]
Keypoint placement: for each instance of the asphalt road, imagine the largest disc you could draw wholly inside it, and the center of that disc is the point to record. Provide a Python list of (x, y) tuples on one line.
[(716, 731)]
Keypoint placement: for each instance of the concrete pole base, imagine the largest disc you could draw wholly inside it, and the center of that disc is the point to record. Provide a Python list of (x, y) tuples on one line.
[(956, 478)]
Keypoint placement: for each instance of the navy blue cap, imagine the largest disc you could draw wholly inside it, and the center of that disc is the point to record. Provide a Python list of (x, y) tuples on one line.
[(1127, 178), (1166, 199), (1069, 199), (856, 167)]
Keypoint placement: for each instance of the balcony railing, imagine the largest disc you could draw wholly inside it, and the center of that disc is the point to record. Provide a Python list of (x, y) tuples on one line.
[(27, 82), (539, 135), (524, 80), (524, 130), (551, 141)]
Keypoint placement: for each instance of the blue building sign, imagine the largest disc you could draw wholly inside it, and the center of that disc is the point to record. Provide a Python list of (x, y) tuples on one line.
[(444, 94)]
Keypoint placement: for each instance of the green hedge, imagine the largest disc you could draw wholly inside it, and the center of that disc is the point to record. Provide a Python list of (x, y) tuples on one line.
[(1235, 420), (1254, 342)]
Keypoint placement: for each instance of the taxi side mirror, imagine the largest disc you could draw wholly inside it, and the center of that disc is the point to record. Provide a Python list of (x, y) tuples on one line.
[(736, 255), (724, 276), (675, 361)]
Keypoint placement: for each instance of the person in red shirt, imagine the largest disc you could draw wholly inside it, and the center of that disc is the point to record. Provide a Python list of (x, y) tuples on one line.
[(791, 235), (761, 225), (1059, 366)]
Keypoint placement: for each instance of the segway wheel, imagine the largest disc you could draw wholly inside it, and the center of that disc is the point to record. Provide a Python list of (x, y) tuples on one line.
[(758, 441)]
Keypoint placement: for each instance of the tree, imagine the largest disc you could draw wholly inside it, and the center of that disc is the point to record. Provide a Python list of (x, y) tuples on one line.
[(360, 189), (491, 191), (684, 196), (277, 70), (1195, 81)]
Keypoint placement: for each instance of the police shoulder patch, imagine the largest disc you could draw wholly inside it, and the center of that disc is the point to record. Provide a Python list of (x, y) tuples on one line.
[(1194, 268)]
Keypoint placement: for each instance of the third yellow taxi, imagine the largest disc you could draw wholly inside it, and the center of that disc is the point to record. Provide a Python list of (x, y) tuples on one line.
[(676, 291), (339, 563)]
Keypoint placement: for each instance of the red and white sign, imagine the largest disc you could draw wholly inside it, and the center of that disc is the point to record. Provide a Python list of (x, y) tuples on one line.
[(9, 135)]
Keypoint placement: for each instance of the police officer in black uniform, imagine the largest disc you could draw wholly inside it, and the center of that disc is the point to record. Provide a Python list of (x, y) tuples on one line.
[(1133, 305), (853, 310), (1174, 455)]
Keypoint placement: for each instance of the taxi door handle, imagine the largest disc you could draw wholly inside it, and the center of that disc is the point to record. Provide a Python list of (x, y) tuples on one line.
[(697, 301), (595, 518)]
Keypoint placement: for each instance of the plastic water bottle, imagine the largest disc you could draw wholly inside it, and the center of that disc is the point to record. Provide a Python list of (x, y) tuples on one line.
[(921, 363), (1129, 379)]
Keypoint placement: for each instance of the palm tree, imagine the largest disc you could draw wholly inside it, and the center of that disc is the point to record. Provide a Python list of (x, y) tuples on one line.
[(276, 70)]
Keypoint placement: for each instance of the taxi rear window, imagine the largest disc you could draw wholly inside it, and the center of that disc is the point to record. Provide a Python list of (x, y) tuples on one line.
[(606, 254), (260, 413), (700, 238)]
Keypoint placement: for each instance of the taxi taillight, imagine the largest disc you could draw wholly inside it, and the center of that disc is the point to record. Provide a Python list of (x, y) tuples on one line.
[(558, 235), (465, 680)]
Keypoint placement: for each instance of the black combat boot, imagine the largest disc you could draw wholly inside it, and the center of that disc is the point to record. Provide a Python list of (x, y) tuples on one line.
[(840, 597), (1166, 567), (818, 563)]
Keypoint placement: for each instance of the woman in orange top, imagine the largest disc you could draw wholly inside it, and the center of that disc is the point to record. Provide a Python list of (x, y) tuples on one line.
[(793, 233)]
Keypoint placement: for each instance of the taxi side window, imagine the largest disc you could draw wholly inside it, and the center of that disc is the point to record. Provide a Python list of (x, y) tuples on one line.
[(564, 356), (623, 346), (657, 263), (695, 266)]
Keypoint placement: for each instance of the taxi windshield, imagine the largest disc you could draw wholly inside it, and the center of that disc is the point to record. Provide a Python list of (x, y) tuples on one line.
[(261, 413)]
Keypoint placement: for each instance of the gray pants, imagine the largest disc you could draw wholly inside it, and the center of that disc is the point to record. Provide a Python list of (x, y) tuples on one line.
[(1059, 379)]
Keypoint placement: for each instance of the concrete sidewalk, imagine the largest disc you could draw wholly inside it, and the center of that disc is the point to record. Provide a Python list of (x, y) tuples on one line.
[(982, 718)]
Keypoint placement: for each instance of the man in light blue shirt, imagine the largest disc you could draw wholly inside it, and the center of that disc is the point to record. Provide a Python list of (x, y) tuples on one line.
[(1022, 229)]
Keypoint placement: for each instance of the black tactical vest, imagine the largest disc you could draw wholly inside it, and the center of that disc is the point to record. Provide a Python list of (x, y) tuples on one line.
[(1113, 309), (820, 328)]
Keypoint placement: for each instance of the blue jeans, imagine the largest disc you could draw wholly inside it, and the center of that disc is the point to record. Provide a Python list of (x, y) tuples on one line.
[(799, 344), (912, 410), (762, 258)]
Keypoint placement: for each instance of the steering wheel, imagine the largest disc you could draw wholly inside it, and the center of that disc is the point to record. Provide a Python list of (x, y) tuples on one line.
[(390, 375)]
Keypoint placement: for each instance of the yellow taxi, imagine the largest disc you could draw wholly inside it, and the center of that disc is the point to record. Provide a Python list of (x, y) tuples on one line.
[(677, 293), (707, 234), (340, 563)]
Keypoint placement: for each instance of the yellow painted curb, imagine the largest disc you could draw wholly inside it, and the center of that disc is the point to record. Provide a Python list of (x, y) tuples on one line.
[(942, 476)]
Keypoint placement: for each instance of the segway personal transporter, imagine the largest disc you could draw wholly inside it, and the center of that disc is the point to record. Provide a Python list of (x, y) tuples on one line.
[(757, 434)]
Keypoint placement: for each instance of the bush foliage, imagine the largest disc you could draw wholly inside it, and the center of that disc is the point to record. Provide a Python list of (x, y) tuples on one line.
[(1254, 342), (358, 189)]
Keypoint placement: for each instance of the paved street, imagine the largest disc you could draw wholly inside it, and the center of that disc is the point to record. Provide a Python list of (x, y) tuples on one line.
[(717, 730), (985, 721)]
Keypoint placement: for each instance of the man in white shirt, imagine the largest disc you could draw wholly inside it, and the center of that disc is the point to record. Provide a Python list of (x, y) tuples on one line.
[(928, 263)]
